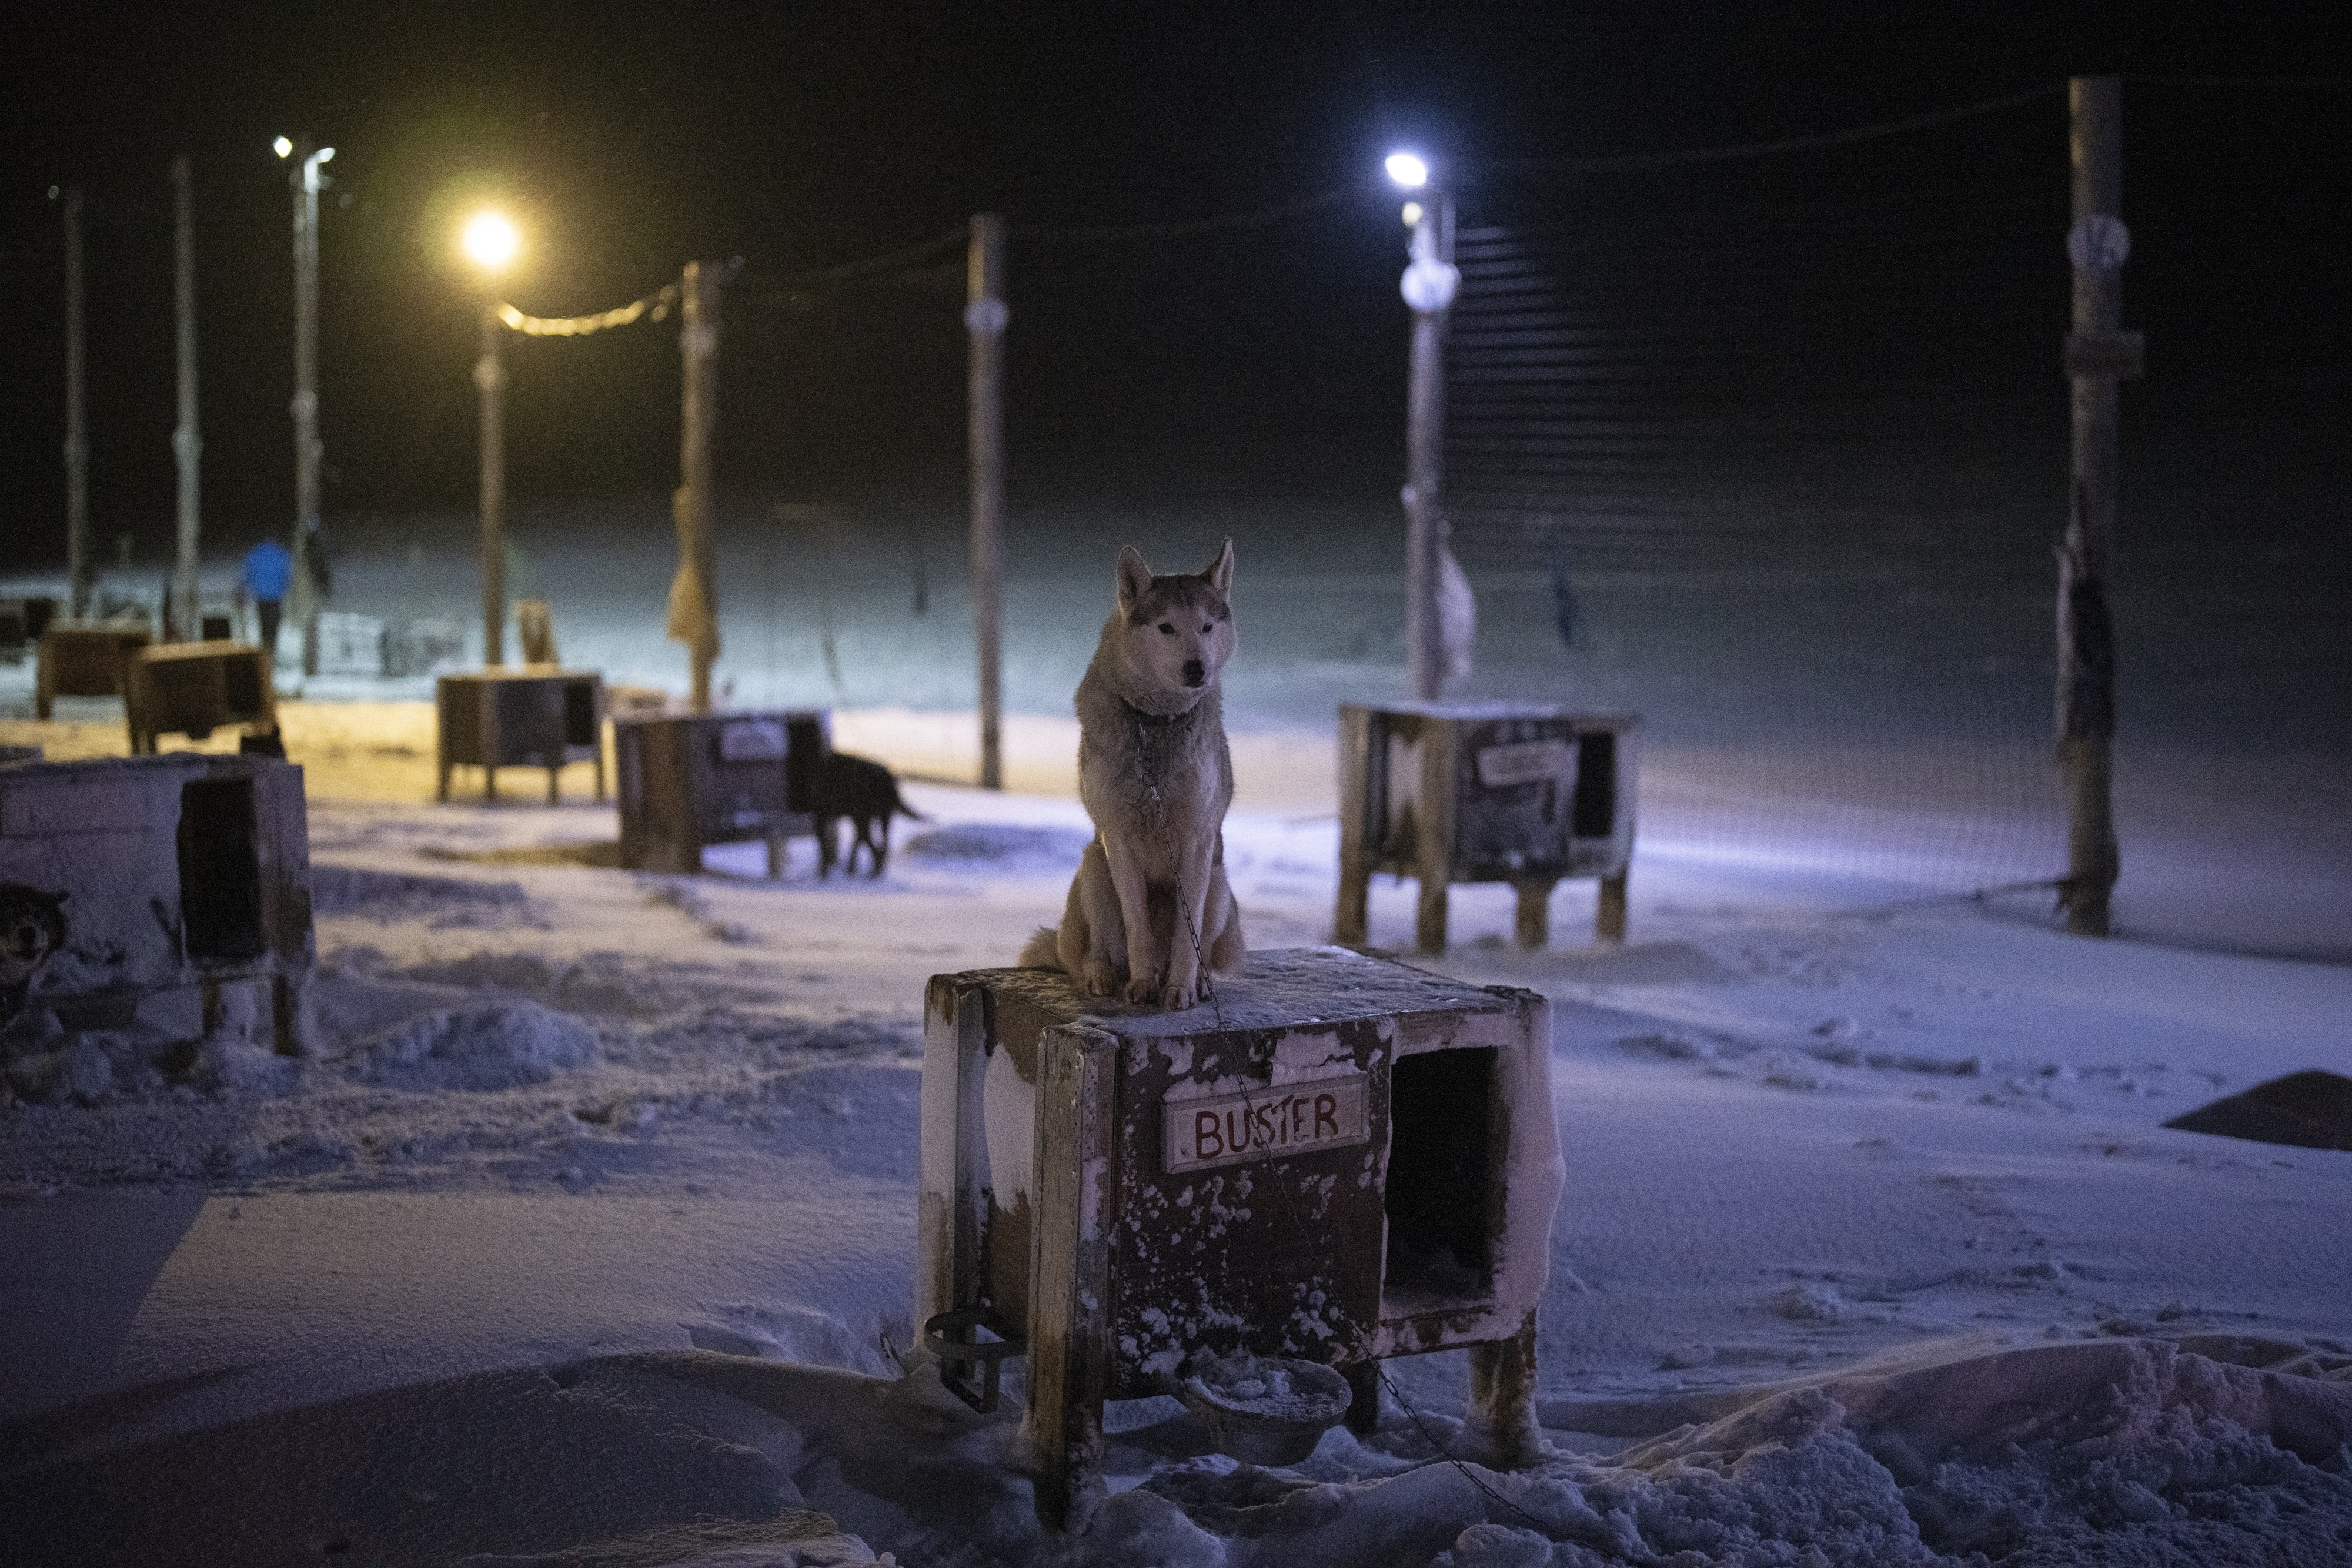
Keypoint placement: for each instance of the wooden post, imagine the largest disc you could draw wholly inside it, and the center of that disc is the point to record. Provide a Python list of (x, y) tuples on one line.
[(984, 317), (1435, 811), (308, 588), (2085, 696), (490, 377), (181, 622), (698, 343), (1069, 1303), (1359, 733), (1424, 453), (1609, 914), (1532, 924), (80, 571), (1499, 1428)]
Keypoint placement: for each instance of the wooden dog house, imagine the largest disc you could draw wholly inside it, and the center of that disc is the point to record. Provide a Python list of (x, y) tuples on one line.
[(1340, 1159), (1516, 793)]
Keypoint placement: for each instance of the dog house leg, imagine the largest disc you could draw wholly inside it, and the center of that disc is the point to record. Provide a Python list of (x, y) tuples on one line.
[(1364, 1398), (775, 855), (1069, 1283), (1428, 925), (288, 1015), (552, 769), (1499, 1429), (1350, 922), (1534, 924), (1609, 919)]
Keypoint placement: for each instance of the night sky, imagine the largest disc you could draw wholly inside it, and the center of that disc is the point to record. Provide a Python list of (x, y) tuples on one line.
[(796, 137)]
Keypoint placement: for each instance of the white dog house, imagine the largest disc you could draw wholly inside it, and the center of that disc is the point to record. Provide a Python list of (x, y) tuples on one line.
[(1341, 1160), (185, 871)]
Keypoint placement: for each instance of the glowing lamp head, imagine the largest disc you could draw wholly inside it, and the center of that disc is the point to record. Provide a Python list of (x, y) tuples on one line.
[(322, 154), (283, 147), (1409, 170), (489, 240)]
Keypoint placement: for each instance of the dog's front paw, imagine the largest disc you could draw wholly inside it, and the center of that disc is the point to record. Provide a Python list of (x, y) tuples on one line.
[(1144, 989), (1176, 998), (1101, 978)]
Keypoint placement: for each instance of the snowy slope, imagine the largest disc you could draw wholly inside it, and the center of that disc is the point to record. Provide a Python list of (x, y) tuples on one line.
[(591, 1222)]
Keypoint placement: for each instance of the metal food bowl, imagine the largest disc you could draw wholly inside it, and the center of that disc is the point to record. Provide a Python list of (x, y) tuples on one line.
[(1318, 1398)]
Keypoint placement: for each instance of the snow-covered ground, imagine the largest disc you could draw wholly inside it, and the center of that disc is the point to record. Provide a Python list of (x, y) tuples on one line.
[(585, 1234), (1875, 1247)]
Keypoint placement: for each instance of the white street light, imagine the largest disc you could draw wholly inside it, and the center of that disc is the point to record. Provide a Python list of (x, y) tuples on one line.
[(309, 575), (1429, 285)]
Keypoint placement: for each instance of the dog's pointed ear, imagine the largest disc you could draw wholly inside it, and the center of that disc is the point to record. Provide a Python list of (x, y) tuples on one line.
[(1134, 577), (1220, 571)]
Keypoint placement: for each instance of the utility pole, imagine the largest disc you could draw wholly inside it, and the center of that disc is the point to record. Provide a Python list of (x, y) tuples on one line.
[(698, 343), (1428, 287), (985, 317), (78, 568), (181, 619), (2099, 355), (491, 378), (308, 577)]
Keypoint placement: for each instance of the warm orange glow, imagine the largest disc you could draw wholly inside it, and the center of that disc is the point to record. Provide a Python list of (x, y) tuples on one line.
[(490, 240)]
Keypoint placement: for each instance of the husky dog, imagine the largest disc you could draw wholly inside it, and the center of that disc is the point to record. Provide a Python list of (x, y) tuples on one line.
[(865, 793), (1149, 911), (32, 930)]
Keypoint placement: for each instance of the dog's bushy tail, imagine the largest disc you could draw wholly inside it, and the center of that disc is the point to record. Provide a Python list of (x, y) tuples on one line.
[(1043, 950), (899, 804)]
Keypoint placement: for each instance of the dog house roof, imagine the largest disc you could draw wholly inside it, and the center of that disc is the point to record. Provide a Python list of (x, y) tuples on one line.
[(1281, 988)]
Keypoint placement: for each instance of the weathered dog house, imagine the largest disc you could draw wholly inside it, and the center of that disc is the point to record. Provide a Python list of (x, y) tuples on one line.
[(519, 719), (195, 688), (1515, 792), (693, 780), (82, 659), (1340, 1159), (175, 872)]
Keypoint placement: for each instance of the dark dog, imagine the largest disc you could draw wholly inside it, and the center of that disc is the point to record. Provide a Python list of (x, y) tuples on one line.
[(863, 791)]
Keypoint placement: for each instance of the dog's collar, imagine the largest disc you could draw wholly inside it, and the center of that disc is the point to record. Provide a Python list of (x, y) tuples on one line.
[(1153, 720)]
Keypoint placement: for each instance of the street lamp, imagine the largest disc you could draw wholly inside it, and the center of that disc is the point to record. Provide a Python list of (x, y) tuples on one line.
[(489, 240), (1428, 285), (304, 176)]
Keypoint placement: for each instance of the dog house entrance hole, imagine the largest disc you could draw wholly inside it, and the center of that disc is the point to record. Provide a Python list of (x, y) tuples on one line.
[(241, 685), (580, 726), (1595, 811), (220, 873), (1440, 1186)]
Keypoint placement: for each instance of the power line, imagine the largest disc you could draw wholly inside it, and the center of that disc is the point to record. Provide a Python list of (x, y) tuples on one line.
[(1638, 163), (846, 270), (1642, 162)]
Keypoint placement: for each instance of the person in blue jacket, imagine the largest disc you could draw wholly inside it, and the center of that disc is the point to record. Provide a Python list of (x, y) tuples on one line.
[(268, 571)]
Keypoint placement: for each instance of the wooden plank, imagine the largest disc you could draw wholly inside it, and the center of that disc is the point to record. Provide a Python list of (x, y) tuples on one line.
[(1069, 1347), (941, 1153), (1349, 921), (1439, 801)]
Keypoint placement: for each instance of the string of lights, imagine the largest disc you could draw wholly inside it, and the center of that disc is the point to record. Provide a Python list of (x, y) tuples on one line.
[(654, 305)]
